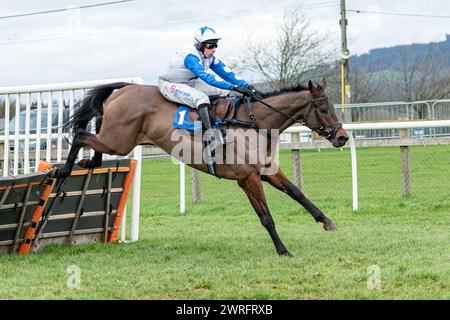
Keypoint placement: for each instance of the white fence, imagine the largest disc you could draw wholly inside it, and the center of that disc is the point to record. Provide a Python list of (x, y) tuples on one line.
[(350, 128), (372, 126), (398, 110), (39, 129), (387, 111)]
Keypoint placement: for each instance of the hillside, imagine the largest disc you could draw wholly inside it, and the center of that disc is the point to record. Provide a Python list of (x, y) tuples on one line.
[(388, 58)]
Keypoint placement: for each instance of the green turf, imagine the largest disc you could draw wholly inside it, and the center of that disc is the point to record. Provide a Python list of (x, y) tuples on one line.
[(219, 250)]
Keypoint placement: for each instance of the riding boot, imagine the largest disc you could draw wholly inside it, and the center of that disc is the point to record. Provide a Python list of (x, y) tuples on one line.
[(203, 111), (213, 137)]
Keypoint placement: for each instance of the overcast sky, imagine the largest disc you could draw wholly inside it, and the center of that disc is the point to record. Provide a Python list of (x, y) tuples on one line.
[(137, 38)]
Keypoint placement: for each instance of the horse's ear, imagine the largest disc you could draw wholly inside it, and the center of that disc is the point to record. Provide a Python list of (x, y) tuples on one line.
[(313, 89), (323, 84)]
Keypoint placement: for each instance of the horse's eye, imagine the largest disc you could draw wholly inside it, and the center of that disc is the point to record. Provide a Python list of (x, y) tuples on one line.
[(323, 109)]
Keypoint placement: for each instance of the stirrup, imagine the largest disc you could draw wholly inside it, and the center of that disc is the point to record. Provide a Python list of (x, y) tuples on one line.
[(213, 136), (219, 136), (209, 158), (223, 138)]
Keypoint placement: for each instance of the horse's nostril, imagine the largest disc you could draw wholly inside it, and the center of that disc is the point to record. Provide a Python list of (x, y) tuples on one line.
[(342, 139)]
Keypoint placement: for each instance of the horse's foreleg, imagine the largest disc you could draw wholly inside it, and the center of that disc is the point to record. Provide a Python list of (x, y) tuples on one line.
[(96, 160), (282, 183), (252, 186)]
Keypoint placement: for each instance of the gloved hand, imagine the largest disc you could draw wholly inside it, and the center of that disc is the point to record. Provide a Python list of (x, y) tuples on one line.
[(254, 90), (243, 90)]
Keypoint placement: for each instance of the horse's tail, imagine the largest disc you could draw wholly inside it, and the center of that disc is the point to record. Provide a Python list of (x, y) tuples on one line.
[(91, 106)]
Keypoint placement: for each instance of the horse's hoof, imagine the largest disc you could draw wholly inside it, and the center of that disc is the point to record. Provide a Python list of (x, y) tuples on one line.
[(61, 173), (83, 163), (53, 173), (87, 164), (330, 226), (286, 254)]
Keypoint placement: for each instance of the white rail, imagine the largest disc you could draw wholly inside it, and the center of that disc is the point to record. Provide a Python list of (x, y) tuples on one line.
[(381, 125), (65, 86)]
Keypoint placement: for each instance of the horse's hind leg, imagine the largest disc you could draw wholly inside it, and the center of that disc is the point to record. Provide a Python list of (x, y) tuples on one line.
[(77, 144), (82, 139), (96, 160), (253, 188), (279, 181)]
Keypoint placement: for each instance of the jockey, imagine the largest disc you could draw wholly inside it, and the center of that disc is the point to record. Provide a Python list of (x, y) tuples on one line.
[(186, 80)]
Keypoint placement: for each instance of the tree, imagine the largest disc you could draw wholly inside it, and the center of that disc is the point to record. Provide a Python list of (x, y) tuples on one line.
[(422, 76), (294, 53), (365, 87)]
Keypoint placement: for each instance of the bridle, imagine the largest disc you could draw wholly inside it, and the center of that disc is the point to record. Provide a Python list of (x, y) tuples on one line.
[(322, 131)]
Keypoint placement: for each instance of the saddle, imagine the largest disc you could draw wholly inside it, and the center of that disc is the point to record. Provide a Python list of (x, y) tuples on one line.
[(223, 110)]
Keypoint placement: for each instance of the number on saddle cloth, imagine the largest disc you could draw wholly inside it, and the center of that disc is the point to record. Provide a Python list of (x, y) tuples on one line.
[(181, 120)]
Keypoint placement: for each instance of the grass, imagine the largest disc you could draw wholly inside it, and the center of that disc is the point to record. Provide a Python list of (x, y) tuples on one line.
[(219, 250)]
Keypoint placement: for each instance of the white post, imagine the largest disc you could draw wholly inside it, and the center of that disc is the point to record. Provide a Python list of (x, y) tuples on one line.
[(16, 136), (136, 185), (6, 143), (60, 123), (38, 131), (123, 225), (26, 150), (92, 123), (81, 152), (71, 104), (48, 154), (136, 199), (182, 187), (354, 171)]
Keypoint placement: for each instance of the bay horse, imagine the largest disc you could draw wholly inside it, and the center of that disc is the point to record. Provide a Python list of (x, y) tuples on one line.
[(129, 115)]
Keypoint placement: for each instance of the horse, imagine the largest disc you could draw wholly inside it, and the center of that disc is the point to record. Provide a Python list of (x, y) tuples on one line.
[(128, 115)]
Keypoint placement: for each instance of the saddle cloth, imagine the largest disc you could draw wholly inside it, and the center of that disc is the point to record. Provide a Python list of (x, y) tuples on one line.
[(222, 109)]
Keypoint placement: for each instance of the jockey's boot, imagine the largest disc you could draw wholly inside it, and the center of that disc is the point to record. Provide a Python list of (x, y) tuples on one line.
[(213, 137), (213, 134)]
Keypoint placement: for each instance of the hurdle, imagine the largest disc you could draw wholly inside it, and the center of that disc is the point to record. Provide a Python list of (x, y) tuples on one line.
[(37, 113), (87, 206)]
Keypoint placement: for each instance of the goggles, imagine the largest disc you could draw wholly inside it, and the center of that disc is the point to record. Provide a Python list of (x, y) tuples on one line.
[(211, 45)]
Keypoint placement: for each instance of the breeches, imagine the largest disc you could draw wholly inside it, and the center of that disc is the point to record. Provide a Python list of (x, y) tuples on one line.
[(187, 95)]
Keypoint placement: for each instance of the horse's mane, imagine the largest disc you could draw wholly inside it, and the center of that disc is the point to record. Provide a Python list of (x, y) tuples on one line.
[(297, 88)]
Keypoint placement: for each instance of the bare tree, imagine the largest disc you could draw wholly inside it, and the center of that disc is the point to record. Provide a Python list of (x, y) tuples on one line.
[(293, 53), (422, 76), (366, 86)]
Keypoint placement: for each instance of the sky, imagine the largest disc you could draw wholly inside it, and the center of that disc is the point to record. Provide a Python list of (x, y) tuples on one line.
[(138, 38)]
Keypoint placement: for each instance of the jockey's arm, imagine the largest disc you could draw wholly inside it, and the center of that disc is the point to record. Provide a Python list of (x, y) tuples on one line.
[(226, 73), (193, 63)]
